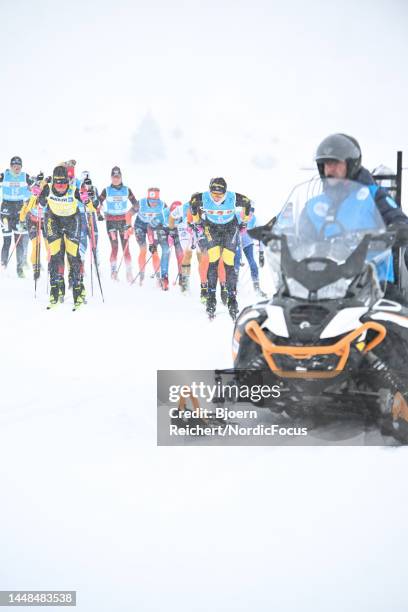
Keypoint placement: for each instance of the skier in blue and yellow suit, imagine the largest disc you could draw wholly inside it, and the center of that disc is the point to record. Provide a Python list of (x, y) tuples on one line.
[(219, 212)]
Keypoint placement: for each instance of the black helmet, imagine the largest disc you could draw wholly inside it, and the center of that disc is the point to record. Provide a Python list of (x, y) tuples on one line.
[(339, 147), (60, 175), (116, 171), (218, 185)]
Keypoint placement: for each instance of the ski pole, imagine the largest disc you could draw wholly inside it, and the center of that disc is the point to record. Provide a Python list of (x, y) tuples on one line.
[(175, 282), (14, 248), (123, 254), (142, 269), (37, 251), (88, 217), (97, 273), (93, 246)]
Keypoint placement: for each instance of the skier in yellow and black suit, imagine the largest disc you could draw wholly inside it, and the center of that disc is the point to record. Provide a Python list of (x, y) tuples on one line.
[(63, 231), (219, 212)]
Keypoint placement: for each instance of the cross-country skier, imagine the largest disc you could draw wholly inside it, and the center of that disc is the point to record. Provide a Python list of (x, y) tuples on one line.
[(217, 211), (85, 183), (176, 234), (192, 238), (63, 227), (152, 223), (33, 215), (115, 198), (15, 190), (247, 245), (180, 222)]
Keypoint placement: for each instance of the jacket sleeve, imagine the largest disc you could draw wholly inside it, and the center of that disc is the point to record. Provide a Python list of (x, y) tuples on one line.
[(389, 209), (244, 202), (196, 201), (132, 199), (44, 194), (102, 197)]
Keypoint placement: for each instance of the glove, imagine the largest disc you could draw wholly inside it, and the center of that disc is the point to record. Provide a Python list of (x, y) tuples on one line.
[(36, 190), (152, 248), (261, 259), (242, 227), (21, 227), (84, 197), (128, 232), (90, 207), (100, 216), (173, 232)]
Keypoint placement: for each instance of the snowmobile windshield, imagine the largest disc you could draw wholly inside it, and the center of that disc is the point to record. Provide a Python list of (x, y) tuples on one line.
[(331, 232)]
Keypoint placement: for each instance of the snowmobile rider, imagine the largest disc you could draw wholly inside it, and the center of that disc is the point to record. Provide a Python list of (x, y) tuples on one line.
[(216, 211), (339, 156)]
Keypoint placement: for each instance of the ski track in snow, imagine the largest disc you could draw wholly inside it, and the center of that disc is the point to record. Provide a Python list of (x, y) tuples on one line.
[(90, 503)]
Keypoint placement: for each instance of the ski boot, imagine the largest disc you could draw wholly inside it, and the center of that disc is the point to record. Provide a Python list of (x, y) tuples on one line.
[(211, 305), (36, 271), (54, 297), (114, 272), (258, 290), (204, 292), (83, 293), (141, 277), (183, 282), (61, 290), (129, 274), (224, 294), (232, 305), (164, 281), (79, 295), (20, 272)]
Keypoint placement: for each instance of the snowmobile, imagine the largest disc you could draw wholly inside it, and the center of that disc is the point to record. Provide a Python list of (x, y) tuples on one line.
[(333, 336)]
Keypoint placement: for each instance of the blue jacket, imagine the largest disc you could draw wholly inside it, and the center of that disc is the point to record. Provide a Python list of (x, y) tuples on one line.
[(389, 209)]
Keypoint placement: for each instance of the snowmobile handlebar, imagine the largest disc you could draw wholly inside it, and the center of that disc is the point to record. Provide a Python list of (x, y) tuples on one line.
[(401, 234)]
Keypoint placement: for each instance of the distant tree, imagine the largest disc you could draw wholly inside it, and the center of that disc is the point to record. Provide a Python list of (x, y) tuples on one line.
[(147, 142)]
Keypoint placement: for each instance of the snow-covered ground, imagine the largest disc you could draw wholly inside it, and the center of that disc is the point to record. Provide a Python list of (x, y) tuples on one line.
[(176, 93), (91, 503)]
